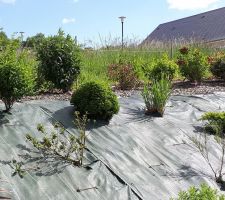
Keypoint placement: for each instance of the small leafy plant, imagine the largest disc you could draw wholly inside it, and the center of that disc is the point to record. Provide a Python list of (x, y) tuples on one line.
[(123, 72), (205, 192), (193, 64), (18, 168), (68, 148), (97, 100), (156, 96), (215, 122)]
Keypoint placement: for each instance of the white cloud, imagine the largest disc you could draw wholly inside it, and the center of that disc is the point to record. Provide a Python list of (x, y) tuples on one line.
[(191, 4), (8, 1), (75, 1), (68, 20)]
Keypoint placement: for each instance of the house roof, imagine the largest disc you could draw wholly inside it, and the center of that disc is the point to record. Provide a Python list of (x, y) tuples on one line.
[(207, 26)]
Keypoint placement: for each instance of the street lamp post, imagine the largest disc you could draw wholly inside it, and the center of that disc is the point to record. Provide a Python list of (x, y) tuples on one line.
[(122, 18), (21, 35)]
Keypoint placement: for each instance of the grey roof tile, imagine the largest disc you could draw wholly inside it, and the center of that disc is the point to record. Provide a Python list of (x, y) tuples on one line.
[(208, 26)]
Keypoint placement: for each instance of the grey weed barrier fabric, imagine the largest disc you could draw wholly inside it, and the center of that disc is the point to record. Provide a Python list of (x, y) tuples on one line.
[(133, 157)]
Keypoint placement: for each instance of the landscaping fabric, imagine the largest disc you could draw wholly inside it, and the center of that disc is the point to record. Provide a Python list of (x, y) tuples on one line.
[(133, 157)]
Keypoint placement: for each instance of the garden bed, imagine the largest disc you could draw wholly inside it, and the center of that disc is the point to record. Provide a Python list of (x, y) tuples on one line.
[(133, 157), (179, 88)]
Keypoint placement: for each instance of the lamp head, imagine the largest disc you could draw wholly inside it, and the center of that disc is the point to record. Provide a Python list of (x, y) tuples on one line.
[(122, 18)]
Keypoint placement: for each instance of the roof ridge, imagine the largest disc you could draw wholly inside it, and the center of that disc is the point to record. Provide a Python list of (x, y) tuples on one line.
[(191, 16)]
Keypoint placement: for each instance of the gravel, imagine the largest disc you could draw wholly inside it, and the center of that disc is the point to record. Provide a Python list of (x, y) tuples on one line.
[(179, 88), (49, 96), (207, 87)]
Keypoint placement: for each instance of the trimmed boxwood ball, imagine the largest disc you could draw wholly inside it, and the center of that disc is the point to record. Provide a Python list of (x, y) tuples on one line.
[(95, 99)]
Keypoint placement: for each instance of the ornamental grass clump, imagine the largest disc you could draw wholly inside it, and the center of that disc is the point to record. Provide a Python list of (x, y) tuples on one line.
[(95, 99), (156, 96)]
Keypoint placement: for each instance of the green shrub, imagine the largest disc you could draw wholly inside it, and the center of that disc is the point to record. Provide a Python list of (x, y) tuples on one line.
[(59, 58), (156, 96), (218, 68), (203, 193), (193, 64), (215, 122), (124, 74), (95, 99), (17, 73), (161, 66)]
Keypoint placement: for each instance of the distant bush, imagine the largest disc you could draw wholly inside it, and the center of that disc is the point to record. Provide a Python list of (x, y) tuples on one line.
[(217, 65), (59, 58), (215, 122), (95, 99), (156, 96), (34, 42), (17, 73), (203, 193), (161, 66), (193, 64), (124, 74)]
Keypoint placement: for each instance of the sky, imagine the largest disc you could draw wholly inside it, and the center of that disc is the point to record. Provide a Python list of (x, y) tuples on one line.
[(96, 21)]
